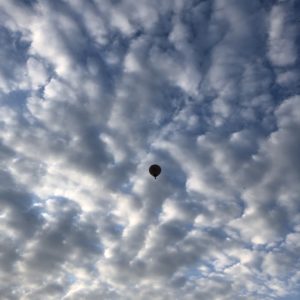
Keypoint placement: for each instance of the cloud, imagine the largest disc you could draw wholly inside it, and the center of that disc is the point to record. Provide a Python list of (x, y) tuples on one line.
[(92, 93), (282, 35)]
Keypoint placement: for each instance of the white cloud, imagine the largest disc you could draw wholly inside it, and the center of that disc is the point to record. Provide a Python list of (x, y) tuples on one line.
[(92, 93), (282, 35)]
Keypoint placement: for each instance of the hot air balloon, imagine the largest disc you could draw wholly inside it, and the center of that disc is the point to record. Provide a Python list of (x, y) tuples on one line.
[(154, 170)]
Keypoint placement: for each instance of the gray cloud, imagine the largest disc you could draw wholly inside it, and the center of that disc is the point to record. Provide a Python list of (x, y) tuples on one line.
[(92, 93)]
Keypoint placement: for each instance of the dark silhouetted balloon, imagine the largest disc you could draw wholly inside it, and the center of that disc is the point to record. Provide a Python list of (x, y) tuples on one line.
[(155, 170)]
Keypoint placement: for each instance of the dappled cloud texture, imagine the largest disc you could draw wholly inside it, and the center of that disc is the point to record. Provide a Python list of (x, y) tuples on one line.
[(94, 92)]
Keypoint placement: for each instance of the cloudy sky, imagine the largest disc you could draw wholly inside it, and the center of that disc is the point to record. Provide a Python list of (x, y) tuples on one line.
[(92, 92)]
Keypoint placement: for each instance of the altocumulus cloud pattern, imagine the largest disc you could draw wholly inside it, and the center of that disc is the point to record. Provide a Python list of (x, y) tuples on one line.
[(92, 92)]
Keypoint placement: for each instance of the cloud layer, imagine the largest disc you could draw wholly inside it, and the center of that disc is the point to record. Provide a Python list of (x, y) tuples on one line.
[(92, 93)]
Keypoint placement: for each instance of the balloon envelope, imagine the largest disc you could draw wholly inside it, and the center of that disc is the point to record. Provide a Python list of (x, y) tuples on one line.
[(154, 170)]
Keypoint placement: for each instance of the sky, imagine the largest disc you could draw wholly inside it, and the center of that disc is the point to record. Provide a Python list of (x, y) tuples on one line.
[(93, 92)]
